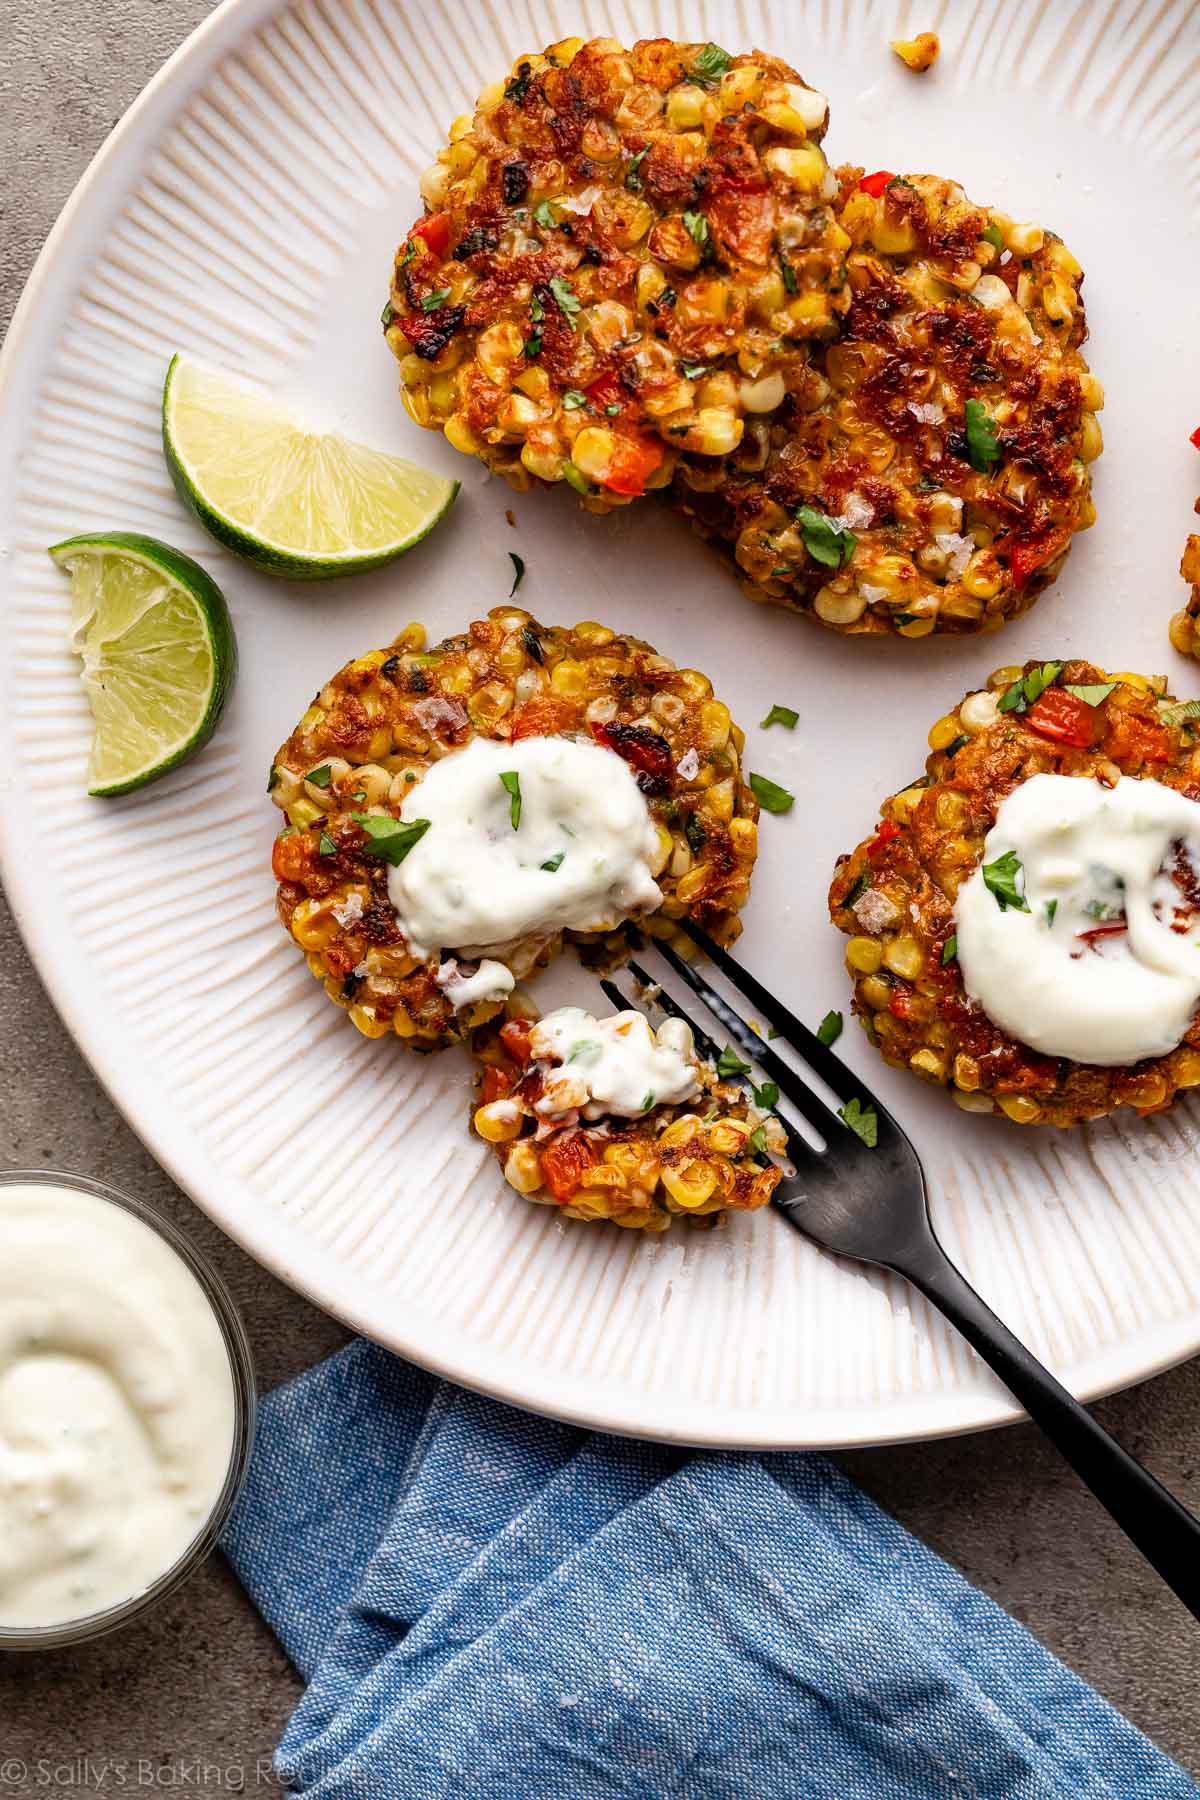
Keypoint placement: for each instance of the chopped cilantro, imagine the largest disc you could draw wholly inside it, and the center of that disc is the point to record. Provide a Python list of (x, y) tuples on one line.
[(633, 180), (545, 215), (757, 1141), (564, 294), (510, 781), (862, 1120), (584, 1047), (273, 779), (951, 949), (697, 229), (533, 345), (537, 311), (577, 479), (1093, 693), (830, 1029), (827, 543), (729, 1063), (518, 563), (517, 86), (1028, 688), (696, 833), (693, 371), (409, 254), (710, 64), (553, 862), (1178, 712), (1051, 909), (572, 400), (953, 749), (791, 281), (320, 777), (781, 715), (532, 642), (767, 1095), (326, 845), (387, 315), (389, 839), (770, 796), (431, 302), (359, 796), (858, 888), (991, 234), (1001, 877), (611, 411), (983, 450), (648, 1100)]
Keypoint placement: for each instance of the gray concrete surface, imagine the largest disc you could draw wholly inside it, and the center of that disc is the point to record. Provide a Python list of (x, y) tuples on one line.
[(202, 1681)]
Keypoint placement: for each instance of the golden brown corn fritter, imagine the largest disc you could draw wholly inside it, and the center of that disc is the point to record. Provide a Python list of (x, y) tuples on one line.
[(623, 256), (1185, 624), (376, 727), (696, 1160), (894, 895), (929, 465)]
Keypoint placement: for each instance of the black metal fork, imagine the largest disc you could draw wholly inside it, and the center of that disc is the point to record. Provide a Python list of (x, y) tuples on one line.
[(868, 1201)]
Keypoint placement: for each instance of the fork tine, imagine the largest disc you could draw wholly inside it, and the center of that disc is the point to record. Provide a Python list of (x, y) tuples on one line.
[(808, 1104), (819, 1057)]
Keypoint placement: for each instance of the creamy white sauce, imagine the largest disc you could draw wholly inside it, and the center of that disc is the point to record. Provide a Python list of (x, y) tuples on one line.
[(475, 884), (117, 1405), (1091, 858), (615, 1066), (491, 981)]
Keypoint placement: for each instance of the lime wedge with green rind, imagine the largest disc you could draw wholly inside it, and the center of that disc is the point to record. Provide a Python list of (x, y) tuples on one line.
[(158, 651), (294, 502)]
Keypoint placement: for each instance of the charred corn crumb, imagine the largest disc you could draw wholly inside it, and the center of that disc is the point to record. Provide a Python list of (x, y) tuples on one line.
[(920, 53)]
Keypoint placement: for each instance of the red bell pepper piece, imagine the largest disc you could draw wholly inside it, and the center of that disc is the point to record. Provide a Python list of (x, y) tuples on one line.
[(565, 1162), (1031, 554), (887, 831), (876, 184), (514, 1035), (1064, 718), (1195, 437), (634, 461), (435, 230)]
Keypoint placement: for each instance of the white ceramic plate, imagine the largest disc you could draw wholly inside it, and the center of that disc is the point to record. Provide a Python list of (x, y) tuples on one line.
[(246, 210)]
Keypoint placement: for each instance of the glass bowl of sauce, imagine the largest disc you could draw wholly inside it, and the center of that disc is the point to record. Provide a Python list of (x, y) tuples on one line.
[(126, 1408)]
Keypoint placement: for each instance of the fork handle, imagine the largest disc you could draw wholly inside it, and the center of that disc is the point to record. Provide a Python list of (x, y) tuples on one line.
[(1167, 1535)]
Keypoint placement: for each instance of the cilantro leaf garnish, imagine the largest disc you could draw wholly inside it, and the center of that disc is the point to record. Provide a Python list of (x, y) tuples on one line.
[(729, 1063), (564, 294), (584, 1047), (954, 748), (326, 845), (273, 779), (697, 229), (387, 315), (983, 449), (517, 86), (409, 254), (991, 234), (781, 715), (552, 863), (858, 888), (387, 838), (767, 1095), (510, 781), (862, 1120), (830, 1029), (633, 180), (827, 543), (1028, 688), (537, 311), (320, 777), (710, 64), (693, 371), (1001, 878), (572, 400), (1093, 693), (757, 1141), (545, 215), (951, 949), (770, 796), (431, 302), (648, 1100), (1177, 712), (791, 281), (696, 833), (518, 563), (611, 411), (1051, 909)]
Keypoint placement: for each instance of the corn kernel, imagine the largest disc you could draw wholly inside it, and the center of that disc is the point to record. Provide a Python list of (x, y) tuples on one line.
[(691, 1185), (864, 955), (920, 53), (1020, 1108), (904, 957)]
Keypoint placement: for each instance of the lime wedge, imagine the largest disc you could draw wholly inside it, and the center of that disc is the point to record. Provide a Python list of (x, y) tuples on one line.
[(158, 653), (306, 504)]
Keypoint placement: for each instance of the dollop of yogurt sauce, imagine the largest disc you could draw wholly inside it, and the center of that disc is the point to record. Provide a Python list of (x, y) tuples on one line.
[(578, 856), (1095, 955), (611, 1067), (117, 1405)]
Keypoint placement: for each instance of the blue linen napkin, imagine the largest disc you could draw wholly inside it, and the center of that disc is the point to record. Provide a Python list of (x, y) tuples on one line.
[(492, 1605)]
